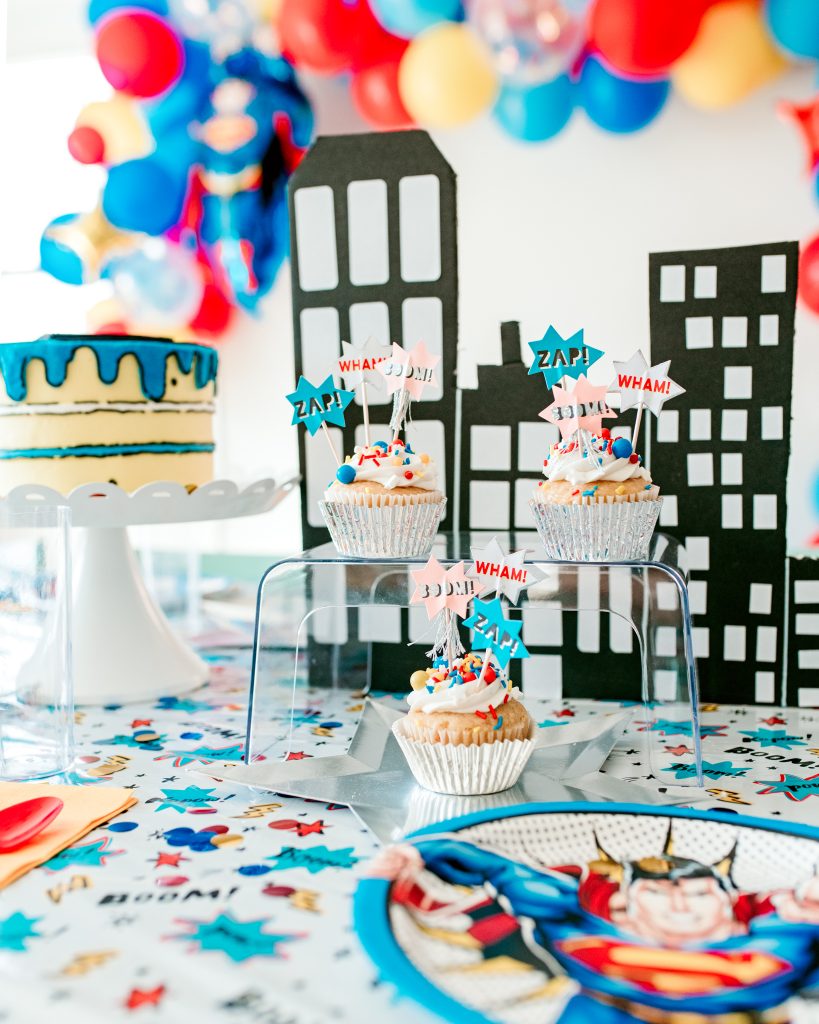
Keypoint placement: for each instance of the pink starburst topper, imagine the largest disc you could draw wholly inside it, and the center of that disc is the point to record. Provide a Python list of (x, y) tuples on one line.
[(409, 369), (582, 408), (438, 588)]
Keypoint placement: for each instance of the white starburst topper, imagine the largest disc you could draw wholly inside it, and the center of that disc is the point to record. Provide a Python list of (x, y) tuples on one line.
[(641, 384), (359, 362), (505, 574)]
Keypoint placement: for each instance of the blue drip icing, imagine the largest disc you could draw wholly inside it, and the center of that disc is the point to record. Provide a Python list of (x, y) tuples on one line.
[(57, 350), (102, 450)]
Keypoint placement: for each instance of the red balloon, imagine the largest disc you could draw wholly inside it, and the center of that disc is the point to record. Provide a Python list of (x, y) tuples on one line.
[(809, 274), (644, 37), (369, 42), (86, 145), (376, 97), (315, 34), (215, 313), (139, 53)]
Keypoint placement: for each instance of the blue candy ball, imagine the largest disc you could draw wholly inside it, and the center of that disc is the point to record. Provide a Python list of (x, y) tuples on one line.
[(380, 444), (345, 474), (621, 449)]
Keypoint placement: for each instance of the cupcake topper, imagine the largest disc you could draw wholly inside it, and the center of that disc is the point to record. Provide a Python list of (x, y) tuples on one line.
[(643, 386), (448, 591), (495, 633), (407, 373), (583, 408), (505, 575), (358, 366), (315, 407), (556, 357)]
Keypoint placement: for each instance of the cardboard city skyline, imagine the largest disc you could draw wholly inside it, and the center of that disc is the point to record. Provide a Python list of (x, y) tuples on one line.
[(374, 254)]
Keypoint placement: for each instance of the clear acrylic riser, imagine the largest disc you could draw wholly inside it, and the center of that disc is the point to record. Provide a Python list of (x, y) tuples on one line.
[(331, 628)]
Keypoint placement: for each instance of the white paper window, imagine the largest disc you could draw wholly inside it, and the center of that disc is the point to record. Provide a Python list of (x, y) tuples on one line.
[(705, 282), (320, 342), (489, 505), (732, 511), (730, 464), (419, 204), (769, 329), (808, 697), (701, 637), (669, 515), (543, 677), (698, 551), (774, 273), (764, 511), (738, 382), (490, 447), (764, 687), (698, 597), (761, 596), (672, 283), (806, 592), (772, 423), (542, 627), (534, 442), (422, 320), (316, 238), (321, 470), (377, 621), (665, 641), (766, 643), (807, 624), (588, 597), (665, 684), (621, 635), (735, 332), (734, 425), (699, 425), (667, 600), (524, 489), (621, 431), (808, 659), (668, 426), (734, 643), (699, 332), (700, 469), (367, 233)]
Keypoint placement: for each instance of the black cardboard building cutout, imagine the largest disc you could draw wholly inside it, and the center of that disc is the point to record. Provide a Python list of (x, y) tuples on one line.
[(374, 253), (725, 318)]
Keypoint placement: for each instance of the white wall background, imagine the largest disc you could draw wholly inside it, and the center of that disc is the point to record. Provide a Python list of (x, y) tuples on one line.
[(557, 233)]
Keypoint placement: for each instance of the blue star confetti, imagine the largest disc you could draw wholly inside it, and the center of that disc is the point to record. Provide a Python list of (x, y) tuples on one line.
[(146, 739), (719, 770), (184, 704), (182, 800), (315, 406), (88, 855), (205, 755), (314, 858), (557, 357), (774, 738), (15, 930), (791, 786), (500, 635), (238, 940), (668, 727)]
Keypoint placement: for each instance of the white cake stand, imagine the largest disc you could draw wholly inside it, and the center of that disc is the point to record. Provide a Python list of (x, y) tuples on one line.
[(124, 649)]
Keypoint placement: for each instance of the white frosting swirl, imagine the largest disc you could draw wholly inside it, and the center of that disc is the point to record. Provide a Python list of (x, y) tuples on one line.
[(463, 698), (395, 467), (570, 461)]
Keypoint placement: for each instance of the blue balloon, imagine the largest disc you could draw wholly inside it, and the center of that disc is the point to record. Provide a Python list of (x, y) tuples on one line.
[(535, 113), (183, 102), (99, 8), (794, 24), (57, 257), (145, 195), (409, 17), (619, 104)]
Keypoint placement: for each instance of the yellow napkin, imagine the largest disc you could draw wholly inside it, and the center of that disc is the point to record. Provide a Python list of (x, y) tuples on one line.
[(84, 807)]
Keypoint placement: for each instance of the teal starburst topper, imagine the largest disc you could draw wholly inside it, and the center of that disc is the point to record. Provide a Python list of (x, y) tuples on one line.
[(495, 632), (315, 406), (557, 357)]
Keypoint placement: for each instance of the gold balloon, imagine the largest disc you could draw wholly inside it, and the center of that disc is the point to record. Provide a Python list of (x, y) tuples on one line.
[(122, 126), (93, 238), (446, 76), (732, 55)]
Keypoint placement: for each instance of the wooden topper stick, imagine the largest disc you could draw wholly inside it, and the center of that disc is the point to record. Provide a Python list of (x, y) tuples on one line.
[(637, 423), (330, 444)]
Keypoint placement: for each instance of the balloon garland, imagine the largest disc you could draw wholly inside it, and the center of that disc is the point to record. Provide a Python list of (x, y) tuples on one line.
[(203, 129), (207, 119)]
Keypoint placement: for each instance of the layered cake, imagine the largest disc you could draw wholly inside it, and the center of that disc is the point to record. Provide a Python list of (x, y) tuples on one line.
[(78, 409)]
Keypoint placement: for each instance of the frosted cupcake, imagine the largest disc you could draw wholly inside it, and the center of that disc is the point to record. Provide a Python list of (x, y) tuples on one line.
[(467, 732), (598, 501), (384, 501)]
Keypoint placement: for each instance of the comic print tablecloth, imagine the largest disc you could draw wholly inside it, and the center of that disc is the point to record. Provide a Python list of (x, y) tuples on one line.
[(211, 902)]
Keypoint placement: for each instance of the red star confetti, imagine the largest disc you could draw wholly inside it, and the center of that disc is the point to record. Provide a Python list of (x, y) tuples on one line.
[(144, 997), (438, 588), (583, 408), (137, 722), (297, 755), (170, 860)]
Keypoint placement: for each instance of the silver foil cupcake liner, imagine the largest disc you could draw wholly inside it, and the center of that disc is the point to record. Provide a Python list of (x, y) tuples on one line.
[(385, 531), (461, 770), (601, 531)]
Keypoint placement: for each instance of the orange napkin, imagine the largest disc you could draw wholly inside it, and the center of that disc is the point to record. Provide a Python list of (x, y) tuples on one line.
[(84, 807)]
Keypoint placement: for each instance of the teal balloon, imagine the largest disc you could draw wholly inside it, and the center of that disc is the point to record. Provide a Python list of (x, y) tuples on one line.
[(99, 8), (409, 17), (145, 195), (535, 113), (794, 24), (618, 104), (58, 259)]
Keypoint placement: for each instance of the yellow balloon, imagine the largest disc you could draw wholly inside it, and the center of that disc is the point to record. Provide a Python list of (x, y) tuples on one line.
[(122, 127), (732, 55), (446, 76)]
